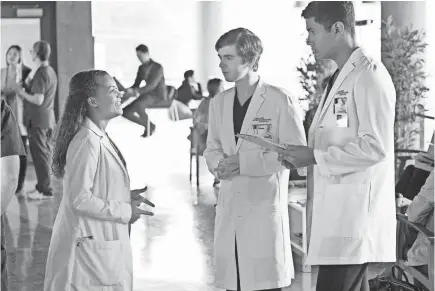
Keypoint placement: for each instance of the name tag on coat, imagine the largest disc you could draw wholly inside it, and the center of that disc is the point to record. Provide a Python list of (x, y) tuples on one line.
[(341, 108), (262, 127)]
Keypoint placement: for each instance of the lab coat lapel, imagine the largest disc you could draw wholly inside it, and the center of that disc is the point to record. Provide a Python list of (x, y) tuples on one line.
[(105, 141), (109, 146), (256, 102), (315, 119), (228, 121), (348, 67)]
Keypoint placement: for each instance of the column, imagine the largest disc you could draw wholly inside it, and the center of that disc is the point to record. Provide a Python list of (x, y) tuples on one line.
[(413, 13), (211, 16), (75, 44)]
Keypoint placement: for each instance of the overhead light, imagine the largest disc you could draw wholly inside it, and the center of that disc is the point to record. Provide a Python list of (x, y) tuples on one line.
[(363, 22), (300, 4), (30, 12)]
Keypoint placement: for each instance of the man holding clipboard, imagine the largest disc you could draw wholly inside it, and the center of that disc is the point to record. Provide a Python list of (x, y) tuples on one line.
[(351, 214), (252, 238)]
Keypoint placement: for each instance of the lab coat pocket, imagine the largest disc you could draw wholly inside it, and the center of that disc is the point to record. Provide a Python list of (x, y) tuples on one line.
[(98, 263), (265, 226), (346, 210)]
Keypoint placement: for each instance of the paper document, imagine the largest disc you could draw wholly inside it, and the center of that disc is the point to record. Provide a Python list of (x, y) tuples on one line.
[(265, 143)]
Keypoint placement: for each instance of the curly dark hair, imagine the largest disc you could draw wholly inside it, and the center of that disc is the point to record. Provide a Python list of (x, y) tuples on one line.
[(82, 86)]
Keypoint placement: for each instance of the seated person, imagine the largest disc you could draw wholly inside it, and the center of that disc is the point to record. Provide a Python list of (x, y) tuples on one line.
[(189, 89), (183, 111), (200, 118), (421, 211), (153, 92), (414, 177)]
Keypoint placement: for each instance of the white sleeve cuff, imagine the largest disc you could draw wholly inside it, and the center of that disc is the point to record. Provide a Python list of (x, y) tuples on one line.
[(126, 212), (323, 168)]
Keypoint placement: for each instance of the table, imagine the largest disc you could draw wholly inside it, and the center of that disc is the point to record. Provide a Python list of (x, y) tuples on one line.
[(298, 224)]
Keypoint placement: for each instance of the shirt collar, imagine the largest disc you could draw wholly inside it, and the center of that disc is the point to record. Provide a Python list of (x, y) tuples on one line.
[(92, 126)]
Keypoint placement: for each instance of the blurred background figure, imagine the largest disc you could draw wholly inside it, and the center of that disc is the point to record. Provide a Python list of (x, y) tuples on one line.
[(190, 89), (153, 92), (13, 75), (11, 149), (200, 117), (39, 95)]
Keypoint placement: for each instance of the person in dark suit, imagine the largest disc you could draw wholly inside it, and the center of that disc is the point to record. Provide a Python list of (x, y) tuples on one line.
[(153, 92), (39, 94), (15, 73)]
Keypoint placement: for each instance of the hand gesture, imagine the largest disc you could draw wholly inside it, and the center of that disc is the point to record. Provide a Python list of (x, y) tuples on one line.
[(136, 201), (136, 212)]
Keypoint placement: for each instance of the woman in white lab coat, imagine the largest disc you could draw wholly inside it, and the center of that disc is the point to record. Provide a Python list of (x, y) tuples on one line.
[(90, 246)]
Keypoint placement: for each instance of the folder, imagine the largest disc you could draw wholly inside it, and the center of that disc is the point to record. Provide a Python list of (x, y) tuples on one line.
[(264, 143)]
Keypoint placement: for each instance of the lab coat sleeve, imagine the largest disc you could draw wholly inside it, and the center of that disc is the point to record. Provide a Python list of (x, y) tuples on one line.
[(84, 160), (214, 152), (423, 204), (375, 105), (290, 131)]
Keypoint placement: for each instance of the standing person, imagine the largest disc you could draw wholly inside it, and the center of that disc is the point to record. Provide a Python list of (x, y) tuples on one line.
[(15, 74), (252, 238), (200, 118), (351, 214), (154, 90), (11, 149), (39, 117), (90, 240)]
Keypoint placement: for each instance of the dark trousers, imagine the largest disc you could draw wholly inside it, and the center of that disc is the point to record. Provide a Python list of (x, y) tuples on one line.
[(343, 278), (41, 150), (238, 276), (23, 166), (135, 111)]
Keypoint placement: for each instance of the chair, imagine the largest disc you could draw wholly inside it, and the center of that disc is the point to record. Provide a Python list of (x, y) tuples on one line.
[(194, 151), (164, 107), (426, 279)]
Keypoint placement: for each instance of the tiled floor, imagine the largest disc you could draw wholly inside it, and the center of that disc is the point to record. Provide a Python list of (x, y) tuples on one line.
[(172, 251)]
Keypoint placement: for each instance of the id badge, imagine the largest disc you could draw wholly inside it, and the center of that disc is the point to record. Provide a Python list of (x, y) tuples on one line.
[(341, 109), (262, 127)]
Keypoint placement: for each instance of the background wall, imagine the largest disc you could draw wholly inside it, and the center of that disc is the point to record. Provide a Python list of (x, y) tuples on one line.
[(169, 29)]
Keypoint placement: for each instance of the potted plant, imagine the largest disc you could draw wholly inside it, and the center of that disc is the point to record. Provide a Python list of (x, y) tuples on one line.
[(403, 51), (313, 76)]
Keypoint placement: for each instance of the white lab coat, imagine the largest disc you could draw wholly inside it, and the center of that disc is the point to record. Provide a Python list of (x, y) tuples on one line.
[(96, 196), (351, 201), (253, 206)]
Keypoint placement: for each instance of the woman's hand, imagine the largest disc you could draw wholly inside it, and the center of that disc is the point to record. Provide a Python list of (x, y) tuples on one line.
[(136, 201), (135, 195), (136, 212)]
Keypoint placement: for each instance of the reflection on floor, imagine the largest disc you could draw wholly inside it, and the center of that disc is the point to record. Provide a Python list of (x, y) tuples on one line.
[(171, 251)]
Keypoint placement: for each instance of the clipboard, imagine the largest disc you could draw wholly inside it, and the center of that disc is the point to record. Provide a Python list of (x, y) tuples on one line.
[(265, 143)]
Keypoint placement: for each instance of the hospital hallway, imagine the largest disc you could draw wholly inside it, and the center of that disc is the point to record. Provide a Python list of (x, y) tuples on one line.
[(171, 251)]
